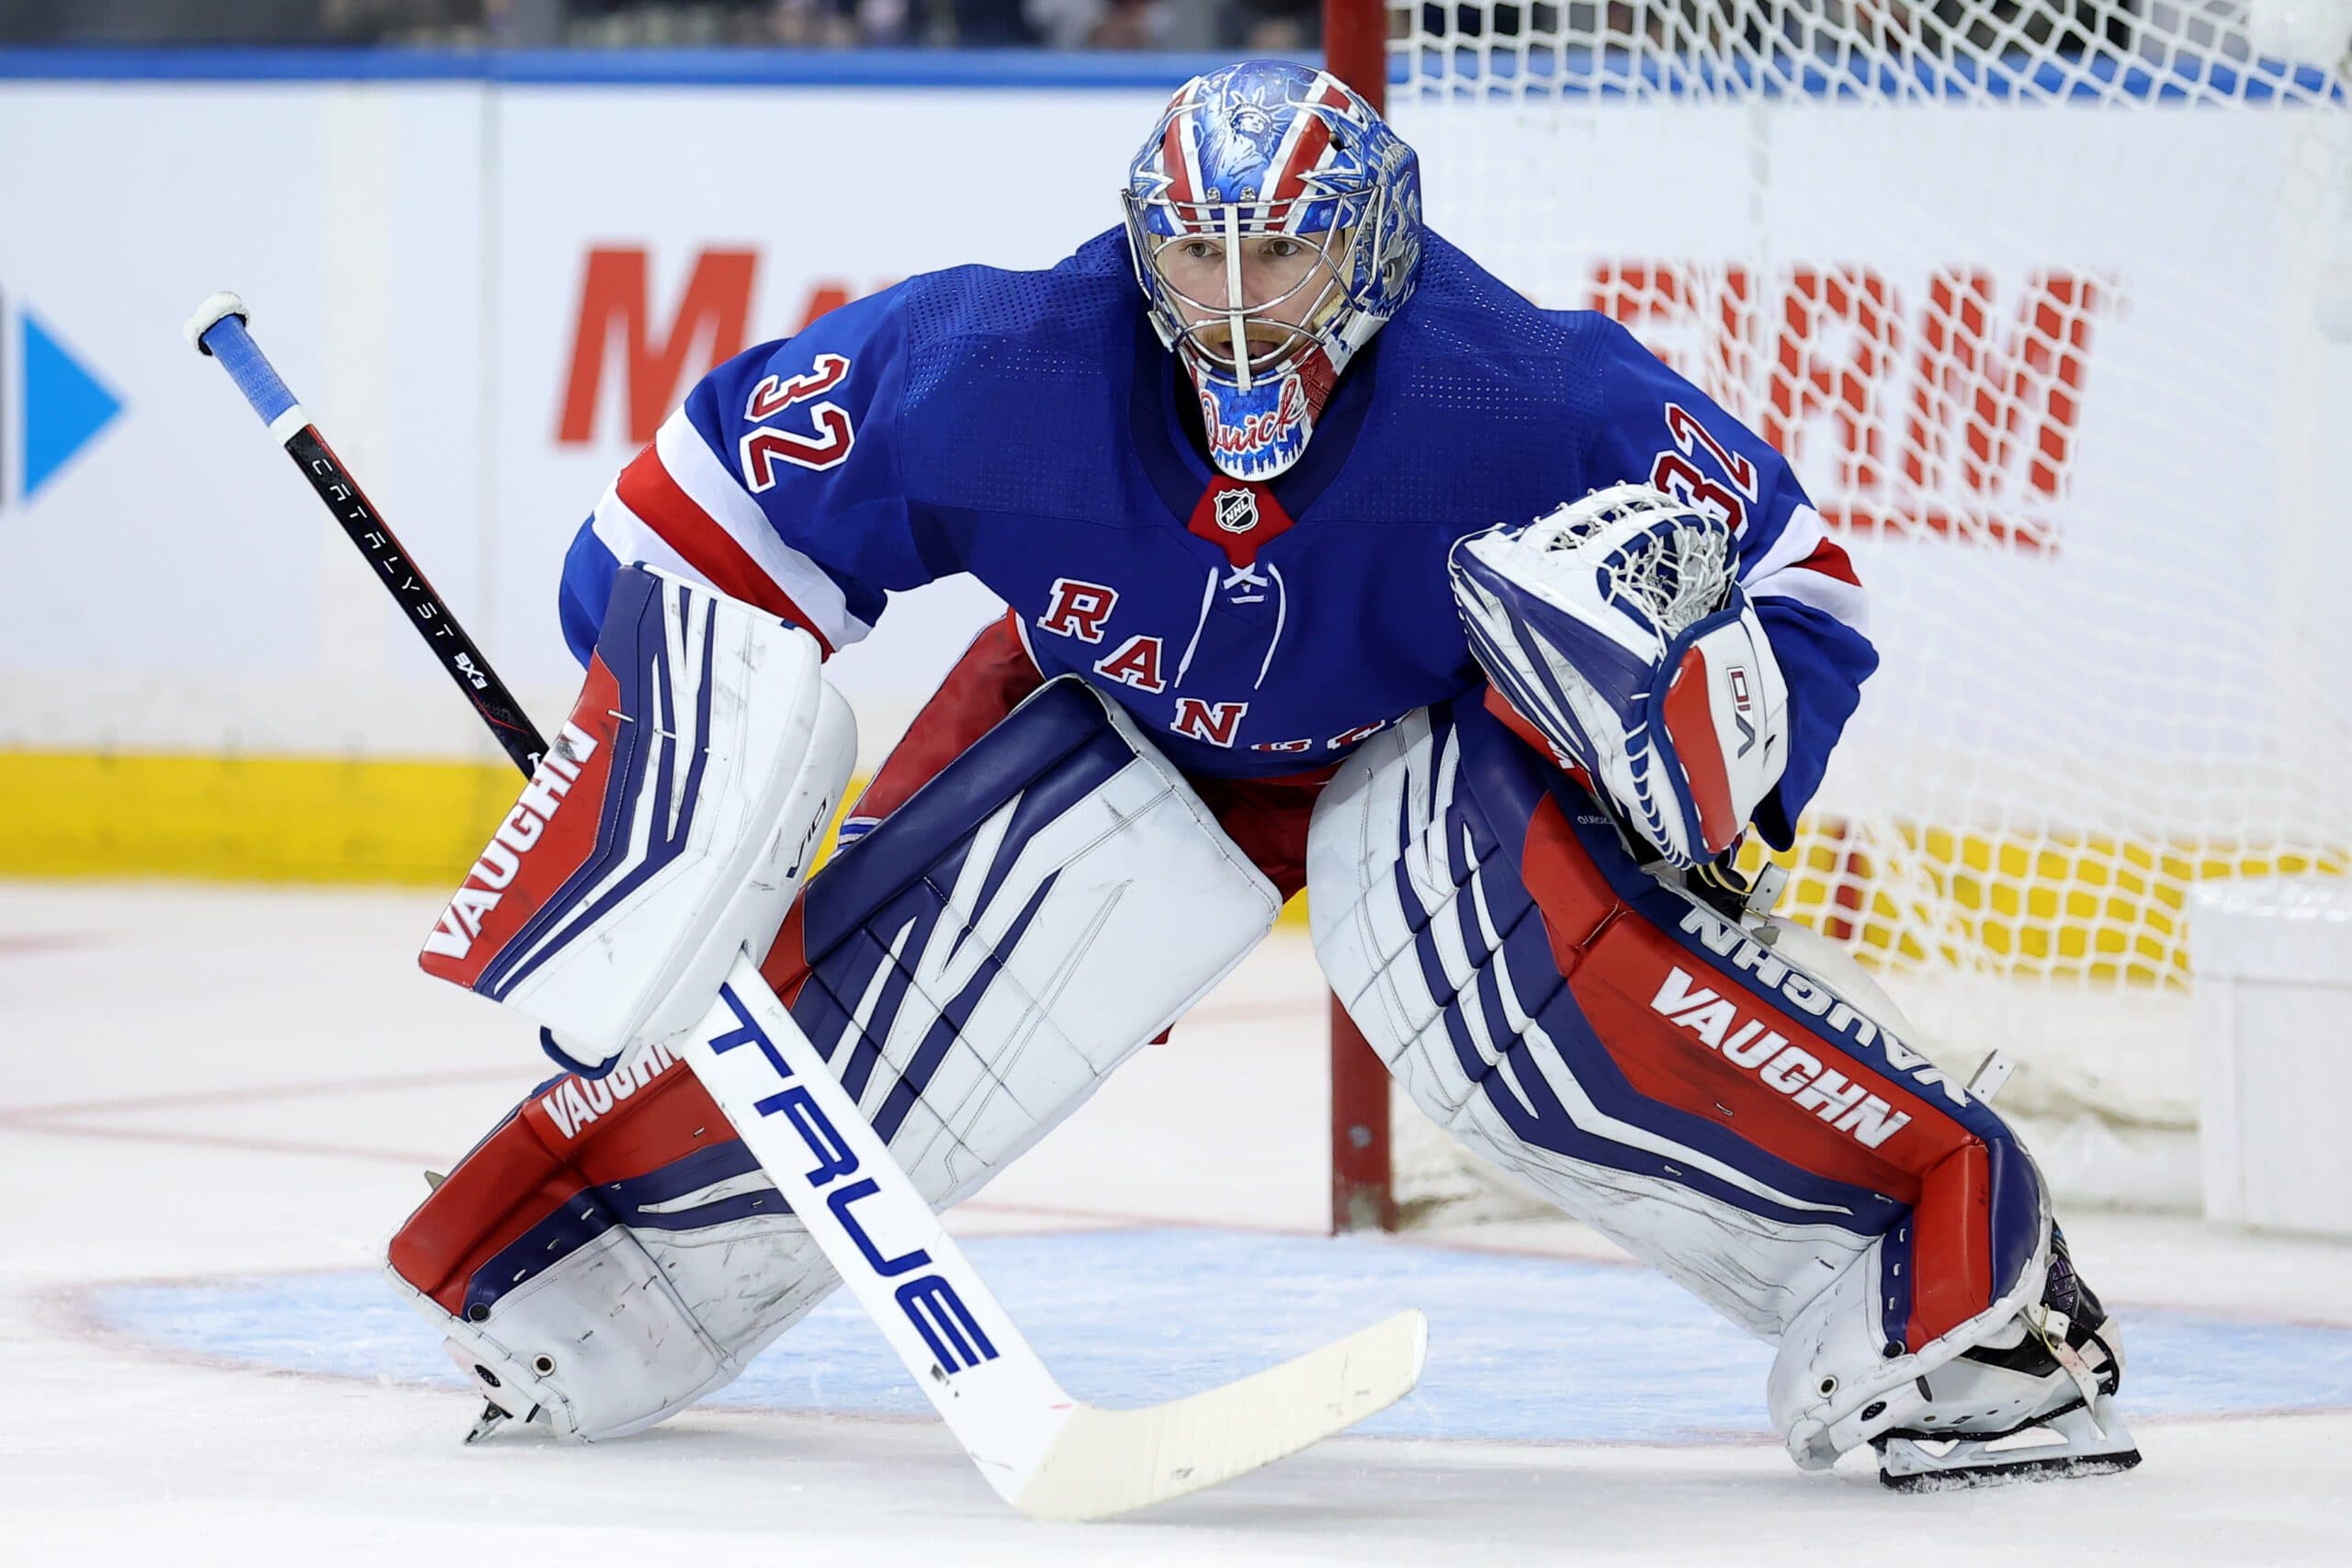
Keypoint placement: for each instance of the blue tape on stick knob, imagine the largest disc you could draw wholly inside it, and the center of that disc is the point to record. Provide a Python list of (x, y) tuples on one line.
[(234, 348)]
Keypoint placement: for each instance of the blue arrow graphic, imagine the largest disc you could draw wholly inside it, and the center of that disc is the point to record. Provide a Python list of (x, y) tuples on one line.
[(64, 404)]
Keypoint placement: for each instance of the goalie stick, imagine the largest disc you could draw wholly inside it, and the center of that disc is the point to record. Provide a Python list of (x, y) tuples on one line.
[(1045, 1453), (218, 331)]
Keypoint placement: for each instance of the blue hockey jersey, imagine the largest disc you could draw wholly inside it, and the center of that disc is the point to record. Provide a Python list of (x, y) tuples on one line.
[(1027, 428)]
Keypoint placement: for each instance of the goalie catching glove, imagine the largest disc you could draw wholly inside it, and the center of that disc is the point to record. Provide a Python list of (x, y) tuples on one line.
[(1616, 627)]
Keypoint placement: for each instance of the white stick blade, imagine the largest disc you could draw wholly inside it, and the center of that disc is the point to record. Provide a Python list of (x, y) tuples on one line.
[(1108, 1462)]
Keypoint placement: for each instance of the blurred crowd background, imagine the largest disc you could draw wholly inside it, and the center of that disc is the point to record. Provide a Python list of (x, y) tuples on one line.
[(1221, 26), (1249, 25)]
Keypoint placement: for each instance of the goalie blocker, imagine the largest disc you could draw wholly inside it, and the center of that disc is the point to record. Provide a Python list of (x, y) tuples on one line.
[(665, 830)]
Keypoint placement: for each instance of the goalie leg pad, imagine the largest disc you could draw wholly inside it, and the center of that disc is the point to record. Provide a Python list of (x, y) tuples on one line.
[(609, 1255), (972, 969), (1652, 1068)]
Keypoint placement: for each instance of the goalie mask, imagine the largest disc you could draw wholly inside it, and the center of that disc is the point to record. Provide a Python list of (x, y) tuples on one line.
[(1275, 222)]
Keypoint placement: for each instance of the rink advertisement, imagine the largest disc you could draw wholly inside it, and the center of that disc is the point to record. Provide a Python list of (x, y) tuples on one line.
[(496, 288)]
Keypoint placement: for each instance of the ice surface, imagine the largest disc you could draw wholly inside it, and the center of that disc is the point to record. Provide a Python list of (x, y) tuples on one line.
[(216, 1105)]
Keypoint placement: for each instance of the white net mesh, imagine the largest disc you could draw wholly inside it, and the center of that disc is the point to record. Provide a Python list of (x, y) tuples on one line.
[(2048, 302)]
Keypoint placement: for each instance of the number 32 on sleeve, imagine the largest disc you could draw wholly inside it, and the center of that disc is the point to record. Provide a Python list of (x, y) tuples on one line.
[(763, 446), (1676, 474)]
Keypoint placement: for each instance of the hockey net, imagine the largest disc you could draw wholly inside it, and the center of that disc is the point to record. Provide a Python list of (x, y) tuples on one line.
[(2048, 302)]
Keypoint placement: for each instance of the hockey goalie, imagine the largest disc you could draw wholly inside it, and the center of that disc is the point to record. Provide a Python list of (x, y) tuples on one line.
[(1330, 563)]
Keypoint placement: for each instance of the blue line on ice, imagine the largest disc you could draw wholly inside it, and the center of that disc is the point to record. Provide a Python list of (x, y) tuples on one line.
[(1521, 1348)]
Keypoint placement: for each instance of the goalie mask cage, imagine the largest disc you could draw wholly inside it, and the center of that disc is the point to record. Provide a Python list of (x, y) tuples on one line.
[(2048, 302)]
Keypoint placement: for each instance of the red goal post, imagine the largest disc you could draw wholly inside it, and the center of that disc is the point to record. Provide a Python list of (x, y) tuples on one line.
[(1363, 1197), (1355, 46)]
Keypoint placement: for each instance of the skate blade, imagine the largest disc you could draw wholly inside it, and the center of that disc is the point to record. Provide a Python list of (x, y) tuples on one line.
[(2012, 1473), (489, 1421), (2083, 1442)]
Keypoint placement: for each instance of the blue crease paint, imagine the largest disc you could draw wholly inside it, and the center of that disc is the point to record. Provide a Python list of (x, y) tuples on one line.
[(1522, 1349)]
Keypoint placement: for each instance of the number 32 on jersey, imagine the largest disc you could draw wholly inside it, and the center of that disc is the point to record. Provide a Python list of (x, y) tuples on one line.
[(763, 446), (1680, 476)]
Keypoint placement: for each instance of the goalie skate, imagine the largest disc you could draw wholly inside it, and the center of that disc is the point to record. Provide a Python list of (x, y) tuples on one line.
[(2036, 1405)]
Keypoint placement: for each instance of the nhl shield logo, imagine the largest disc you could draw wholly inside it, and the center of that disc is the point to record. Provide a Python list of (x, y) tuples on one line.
[(1236, 510)]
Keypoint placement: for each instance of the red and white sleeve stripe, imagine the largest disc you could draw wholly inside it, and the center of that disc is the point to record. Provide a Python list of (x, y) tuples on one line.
[(1808, 566), (677, 506)]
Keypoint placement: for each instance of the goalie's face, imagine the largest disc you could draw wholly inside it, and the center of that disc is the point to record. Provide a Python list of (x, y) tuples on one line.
[(1250, 302)]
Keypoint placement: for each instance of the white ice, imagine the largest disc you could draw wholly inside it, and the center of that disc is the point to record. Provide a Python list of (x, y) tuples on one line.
[(217, 1104)]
